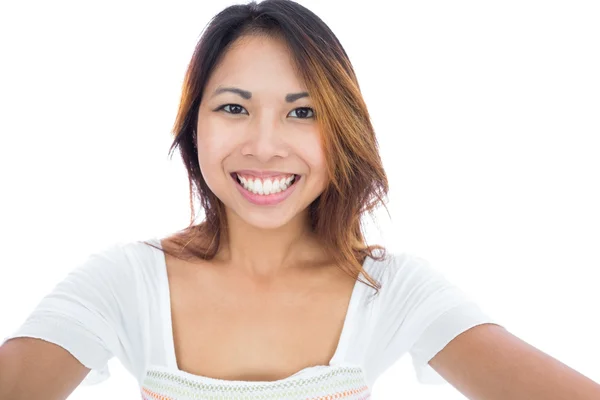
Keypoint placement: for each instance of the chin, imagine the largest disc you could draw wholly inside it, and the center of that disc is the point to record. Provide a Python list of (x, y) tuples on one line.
[(267, 221)]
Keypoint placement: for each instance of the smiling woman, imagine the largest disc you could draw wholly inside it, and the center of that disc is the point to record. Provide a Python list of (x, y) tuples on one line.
[(274, 99), (271, 133), (276, 294), (265, 296)]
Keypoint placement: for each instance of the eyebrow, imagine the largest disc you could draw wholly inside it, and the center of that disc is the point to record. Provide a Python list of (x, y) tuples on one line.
[(290, 97)]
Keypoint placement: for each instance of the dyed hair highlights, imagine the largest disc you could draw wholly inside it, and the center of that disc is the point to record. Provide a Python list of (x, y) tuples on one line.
[(358, 182)]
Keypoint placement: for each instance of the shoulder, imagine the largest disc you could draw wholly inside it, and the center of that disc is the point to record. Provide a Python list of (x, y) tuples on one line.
[(395, 265), (117, 264), (411, 282)]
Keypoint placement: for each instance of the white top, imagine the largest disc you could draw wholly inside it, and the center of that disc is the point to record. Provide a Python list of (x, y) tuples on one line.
[(117, 303)]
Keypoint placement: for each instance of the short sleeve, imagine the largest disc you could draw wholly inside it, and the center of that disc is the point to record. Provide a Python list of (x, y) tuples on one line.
[(89, 313), (419, 312)]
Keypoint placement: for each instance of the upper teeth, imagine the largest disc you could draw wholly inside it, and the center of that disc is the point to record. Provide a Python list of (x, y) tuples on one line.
[(267, 185)]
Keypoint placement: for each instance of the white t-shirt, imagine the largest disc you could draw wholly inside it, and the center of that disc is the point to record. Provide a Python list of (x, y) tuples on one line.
[(117, 304)]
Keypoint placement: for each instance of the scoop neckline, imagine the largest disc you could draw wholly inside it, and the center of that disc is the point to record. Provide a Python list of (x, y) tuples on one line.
[(169, 343)]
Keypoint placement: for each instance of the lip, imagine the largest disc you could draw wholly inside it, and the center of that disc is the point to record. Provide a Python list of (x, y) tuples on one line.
[(265, 200)]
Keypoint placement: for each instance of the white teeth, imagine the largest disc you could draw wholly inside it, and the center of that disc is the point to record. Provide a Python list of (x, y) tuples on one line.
[(267, 186), (276, 186), (258, 186)]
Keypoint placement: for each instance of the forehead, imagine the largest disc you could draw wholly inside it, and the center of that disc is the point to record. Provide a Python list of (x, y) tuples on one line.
[(257, 62)]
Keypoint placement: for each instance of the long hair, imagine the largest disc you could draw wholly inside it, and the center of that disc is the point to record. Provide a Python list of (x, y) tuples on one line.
[(357, 180)]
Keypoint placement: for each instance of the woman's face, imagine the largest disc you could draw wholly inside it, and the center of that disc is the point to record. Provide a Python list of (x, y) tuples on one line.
[(256, 122)]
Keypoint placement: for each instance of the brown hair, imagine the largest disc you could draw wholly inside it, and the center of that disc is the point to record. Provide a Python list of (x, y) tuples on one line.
[(357, 180)]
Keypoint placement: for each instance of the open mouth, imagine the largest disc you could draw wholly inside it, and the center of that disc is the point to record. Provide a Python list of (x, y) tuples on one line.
[(273, 186)]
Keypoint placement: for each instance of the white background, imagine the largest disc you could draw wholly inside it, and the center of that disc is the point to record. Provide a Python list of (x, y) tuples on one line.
[(487, 115)]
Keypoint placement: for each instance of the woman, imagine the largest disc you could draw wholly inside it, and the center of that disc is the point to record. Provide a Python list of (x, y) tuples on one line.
[(264, 297)]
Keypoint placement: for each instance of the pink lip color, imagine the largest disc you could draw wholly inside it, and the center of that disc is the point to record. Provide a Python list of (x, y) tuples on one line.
[(268, 200)]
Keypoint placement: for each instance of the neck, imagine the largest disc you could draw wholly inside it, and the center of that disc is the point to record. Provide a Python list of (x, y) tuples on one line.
[(259, 252)]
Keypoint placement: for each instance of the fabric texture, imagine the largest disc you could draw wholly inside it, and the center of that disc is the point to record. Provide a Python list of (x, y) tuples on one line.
[(117, 304)]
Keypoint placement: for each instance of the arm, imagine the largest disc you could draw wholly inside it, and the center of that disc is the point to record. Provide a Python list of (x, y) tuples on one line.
[(489, 363), (34, 369), (90, 316)]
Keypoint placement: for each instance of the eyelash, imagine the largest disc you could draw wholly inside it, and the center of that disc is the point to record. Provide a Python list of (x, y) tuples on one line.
[(221, 108)]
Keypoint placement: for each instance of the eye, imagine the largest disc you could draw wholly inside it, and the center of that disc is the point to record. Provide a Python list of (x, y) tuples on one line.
[(233, 109), (303, 111), (236, 109)]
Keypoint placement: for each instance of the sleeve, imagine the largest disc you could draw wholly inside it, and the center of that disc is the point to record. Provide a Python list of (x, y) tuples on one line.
[(419, 312), (89, 313)]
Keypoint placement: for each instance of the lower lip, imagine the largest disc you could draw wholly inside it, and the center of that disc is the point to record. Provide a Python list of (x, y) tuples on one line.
[(266, 200)]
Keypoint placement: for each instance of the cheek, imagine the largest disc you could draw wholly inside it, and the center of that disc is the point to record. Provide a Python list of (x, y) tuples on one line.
[(312, 151), (214, 147), (211, 136), (210, 159), (214, 141)]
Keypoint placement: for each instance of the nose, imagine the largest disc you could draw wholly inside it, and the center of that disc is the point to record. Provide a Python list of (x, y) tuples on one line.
[(264, 138)]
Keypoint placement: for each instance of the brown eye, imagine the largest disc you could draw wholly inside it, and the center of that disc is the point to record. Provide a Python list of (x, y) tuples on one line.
[(233, 109), (304, 112)]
